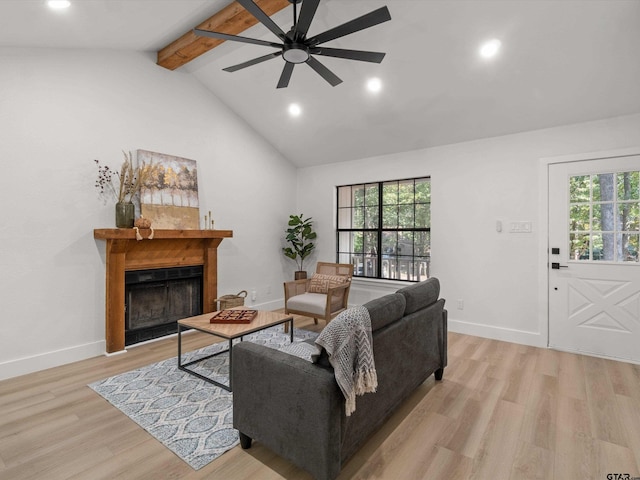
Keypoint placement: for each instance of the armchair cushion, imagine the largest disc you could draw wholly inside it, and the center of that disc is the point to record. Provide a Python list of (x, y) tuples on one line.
[(314, 303), (321, 283)]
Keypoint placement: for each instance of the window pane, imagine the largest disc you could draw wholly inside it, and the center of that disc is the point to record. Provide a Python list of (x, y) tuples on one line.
[(579, 217), (579, 246), (390, 216), (344, 217), (344, 242), (579, 188), (358, 195), (630, 248), (405, 192), (629, 186), (371, 217), (389, 243), (390, 193), (371, 195), (596, 221), (405, 216), (606, 216), (422, 244), (629, 216), (423, 215), (357, 239), (358, 218), (358, 264), (344, 196), (603, 187), (405, 243), (423, 191), (602, 247)]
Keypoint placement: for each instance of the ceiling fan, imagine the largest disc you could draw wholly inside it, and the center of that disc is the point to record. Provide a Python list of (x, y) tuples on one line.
[(297, 48)]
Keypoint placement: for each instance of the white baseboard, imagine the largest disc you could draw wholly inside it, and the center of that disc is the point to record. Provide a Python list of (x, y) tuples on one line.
[(532, 339), (35, 363)]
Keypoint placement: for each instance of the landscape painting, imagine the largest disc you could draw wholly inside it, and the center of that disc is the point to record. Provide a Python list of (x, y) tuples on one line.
[(169, 194)]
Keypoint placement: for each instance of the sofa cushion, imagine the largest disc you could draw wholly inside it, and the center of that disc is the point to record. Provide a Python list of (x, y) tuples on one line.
[(420, 295), (385, 310), (321, 283)]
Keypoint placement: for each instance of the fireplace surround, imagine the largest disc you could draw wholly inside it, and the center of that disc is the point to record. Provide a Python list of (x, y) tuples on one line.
[(169, 248)]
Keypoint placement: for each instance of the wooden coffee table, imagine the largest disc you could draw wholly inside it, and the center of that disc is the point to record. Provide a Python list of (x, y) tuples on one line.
[(227, 331)]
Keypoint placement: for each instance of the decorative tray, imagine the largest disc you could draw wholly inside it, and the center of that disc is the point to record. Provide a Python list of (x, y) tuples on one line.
[(234, 316)]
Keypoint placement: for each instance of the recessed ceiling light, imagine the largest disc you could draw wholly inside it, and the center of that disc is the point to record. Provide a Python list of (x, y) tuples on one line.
[(374, 85), (490, 49), (59, 4), (295, 110)]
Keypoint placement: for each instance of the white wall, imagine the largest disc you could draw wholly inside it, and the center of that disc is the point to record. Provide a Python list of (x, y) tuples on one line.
[(499, 276), (60, 110)]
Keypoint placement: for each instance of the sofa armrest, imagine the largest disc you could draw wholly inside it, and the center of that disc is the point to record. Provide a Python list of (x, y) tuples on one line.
[(290, 405)]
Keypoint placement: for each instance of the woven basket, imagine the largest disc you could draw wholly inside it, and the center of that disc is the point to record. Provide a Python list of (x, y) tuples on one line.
[(230, 301)]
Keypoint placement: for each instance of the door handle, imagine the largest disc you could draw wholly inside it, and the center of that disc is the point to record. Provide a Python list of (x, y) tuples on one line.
[(557, 266)]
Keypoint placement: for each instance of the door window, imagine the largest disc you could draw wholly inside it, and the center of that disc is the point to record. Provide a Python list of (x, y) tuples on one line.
[(604, 217)]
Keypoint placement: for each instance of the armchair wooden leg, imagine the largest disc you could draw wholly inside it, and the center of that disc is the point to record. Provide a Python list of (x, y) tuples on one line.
[(315, 320)]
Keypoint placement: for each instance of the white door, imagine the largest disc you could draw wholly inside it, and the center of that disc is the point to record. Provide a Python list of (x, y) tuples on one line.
[(594, 268)]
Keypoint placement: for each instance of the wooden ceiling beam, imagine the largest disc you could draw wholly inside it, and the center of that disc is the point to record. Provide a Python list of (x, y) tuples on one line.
[(233, 19)]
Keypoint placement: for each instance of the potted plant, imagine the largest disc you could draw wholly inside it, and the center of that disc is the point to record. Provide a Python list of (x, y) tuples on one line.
[(299, 234)]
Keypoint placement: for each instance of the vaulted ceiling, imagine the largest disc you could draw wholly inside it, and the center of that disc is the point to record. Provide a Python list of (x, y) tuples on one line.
[(561, 62)]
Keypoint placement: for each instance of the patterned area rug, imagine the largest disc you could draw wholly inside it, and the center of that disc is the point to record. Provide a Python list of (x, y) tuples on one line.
[(189, 416)]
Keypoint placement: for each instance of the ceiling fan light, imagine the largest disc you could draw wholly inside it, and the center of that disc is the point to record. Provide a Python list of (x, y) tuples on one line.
[(295, 53)]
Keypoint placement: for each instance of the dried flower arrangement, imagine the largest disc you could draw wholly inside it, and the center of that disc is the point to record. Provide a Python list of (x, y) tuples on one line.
[(128, 183)]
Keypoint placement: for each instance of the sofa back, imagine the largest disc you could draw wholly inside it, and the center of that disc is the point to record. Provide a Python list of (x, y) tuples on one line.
[(385, 310), (420, 295)]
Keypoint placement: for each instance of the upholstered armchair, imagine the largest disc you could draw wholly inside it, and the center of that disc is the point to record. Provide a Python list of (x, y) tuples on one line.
[(324, 295)]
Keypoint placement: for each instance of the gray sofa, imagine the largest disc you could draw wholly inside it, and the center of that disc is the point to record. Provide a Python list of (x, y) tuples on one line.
[(295, 407)]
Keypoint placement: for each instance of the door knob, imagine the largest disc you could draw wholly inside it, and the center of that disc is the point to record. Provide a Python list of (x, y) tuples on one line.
[(557, 266)]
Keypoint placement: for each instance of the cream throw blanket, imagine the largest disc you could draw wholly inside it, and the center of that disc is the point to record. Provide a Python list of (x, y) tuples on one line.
[(349, 343)]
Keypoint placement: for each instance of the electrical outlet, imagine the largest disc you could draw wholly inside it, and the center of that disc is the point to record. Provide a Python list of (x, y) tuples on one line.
[(253, 295), (460, 304)]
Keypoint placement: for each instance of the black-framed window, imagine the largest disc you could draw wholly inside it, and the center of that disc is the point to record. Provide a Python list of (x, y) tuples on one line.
[(384, 228)]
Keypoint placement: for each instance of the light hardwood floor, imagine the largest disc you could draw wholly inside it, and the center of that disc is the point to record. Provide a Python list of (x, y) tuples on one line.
[(503, 411)]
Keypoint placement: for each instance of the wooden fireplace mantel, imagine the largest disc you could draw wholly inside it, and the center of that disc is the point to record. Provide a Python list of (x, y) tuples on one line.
[(168, 248)]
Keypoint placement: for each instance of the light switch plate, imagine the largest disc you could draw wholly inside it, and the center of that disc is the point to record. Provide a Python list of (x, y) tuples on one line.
[(520, 227)]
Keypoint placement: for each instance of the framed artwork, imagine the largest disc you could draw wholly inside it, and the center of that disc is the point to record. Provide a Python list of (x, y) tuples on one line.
[(169, 193)]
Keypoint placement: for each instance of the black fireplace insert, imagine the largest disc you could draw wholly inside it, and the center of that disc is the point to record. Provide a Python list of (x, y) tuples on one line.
[(156, 299)]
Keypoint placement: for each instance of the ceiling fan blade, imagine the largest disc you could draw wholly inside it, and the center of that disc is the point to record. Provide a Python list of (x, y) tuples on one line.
[(262, 17), (307, 12), (235, 38), (363, 56), (286, 75), (324, 72), (376, 17), (255, 61)]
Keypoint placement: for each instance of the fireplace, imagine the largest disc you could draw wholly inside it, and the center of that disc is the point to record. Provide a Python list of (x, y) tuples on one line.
[(167, 249), (156, 299)]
